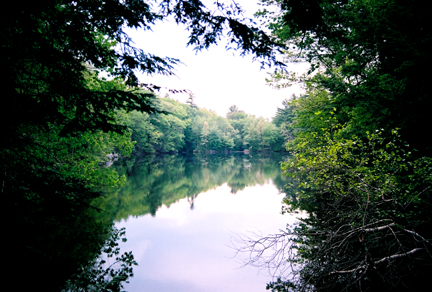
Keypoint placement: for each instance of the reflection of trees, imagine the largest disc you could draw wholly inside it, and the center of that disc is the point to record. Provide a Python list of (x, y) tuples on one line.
[(97, 274), (367, 226), (154, 181), (53, 240), (191, 200)]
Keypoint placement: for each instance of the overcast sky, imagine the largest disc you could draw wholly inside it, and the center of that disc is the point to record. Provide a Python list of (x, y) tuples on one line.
[(217, 78)]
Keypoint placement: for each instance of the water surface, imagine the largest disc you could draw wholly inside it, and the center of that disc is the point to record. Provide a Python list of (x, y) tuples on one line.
[(181, 214)]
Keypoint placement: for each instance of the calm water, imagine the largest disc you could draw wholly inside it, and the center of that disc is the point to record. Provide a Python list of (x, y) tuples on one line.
[(182, 213)]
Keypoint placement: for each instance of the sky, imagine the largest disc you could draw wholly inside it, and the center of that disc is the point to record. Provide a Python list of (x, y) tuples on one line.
[(217, 78)]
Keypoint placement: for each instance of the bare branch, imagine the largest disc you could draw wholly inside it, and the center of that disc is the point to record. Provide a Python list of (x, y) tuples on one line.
[(398, 255), (416, 234), (378, 228)]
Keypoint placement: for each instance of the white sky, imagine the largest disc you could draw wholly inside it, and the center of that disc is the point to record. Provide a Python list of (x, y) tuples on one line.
[(217, 78)]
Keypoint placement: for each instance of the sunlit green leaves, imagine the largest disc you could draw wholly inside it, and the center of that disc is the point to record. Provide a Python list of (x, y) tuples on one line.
[(348, 185)]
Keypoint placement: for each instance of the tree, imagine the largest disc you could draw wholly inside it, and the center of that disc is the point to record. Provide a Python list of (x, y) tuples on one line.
[(171, 127), (233, 109), (48, 183), (237, 119), (360, 185), (144, 133), (253, 133), (190, 101), (52, 52), (204, 135), (272, 138), (285, 118), (368, 55), (50, 42), (368, 219)]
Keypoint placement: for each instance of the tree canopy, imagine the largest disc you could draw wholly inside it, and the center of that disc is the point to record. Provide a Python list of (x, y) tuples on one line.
[(369, 55), (60, 118), (361, 161), (188, 128), (49, 44)]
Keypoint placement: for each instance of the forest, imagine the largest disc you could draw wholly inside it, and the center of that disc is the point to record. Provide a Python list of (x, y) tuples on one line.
[(187, 128), (361, 162)]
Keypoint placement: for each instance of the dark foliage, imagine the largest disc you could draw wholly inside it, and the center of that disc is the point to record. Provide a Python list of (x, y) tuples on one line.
[(373, 56), (47, 47)]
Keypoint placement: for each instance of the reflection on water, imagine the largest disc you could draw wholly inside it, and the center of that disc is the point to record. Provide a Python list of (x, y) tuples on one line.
[(180, 213)]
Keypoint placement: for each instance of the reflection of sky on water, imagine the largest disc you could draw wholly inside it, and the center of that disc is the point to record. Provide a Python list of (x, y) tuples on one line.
[(188, 250)]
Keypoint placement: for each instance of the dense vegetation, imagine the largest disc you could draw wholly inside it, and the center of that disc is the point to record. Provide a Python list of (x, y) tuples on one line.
[(187, 128), (361, 163), (60, 119)]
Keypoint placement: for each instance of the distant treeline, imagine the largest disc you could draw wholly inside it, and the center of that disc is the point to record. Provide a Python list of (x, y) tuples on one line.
[(184, 127)]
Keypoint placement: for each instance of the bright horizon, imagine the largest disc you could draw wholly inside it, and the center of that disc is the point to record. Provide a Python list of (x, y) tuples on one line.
[(217, 78)]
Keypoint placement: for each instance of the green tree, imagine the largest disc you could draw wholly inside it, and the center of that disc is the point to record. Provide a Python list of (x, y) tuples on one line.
[(237, 119), (366, 193), (58, 124), (253, 133), (272, 138), (367, 224), (144, 133), (285, 118), (223, 132), (204, 135), (171, 128), (368, 56)]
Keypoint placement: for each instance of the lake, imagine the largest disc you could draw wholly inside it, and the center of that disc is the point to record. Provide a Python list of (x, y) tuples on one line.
[(182, 216)]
